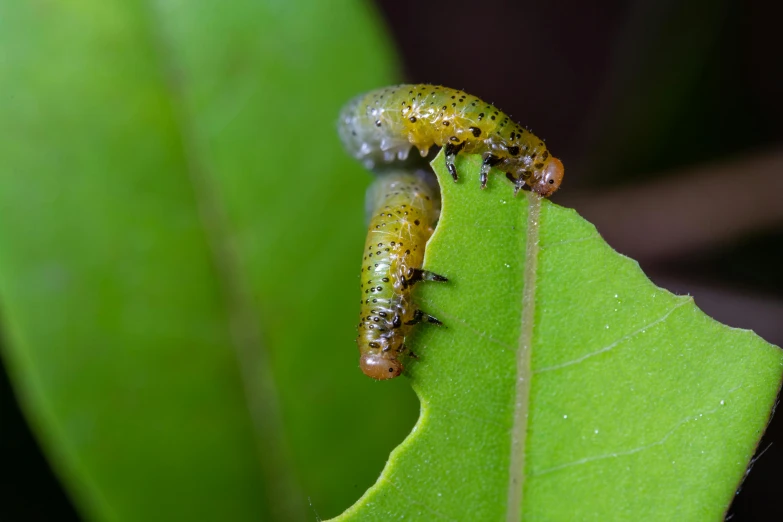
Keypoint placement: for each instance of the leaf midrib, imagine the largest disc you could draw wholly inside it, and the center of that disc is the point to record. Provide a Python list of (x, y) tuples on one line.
[(516, 473)]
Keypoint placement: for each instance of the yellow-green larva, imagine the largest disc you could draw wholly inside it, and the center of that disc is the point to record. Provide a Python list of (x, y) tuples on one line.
[(381, 126), (402, 208)]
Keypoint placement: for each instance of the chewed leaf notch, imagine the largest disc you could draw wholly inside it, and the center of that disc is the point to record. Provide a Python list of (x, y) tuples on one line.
[(567, 386)]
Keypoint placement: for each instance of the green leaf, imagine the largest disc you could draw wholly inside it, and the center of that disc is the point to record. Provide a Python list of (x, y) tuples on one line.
[(565, 385), (180, 234)]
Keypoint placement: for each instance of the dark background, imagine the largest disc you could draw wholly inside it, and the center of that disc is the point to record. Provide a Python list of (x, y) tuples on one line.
[(668, 116)]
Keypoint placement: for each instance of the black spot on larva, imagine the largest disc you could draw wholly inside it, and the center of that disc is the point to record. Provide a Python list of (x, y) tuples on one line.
[(453, 104), (480, 116), (413, 119), (476, 131), (444, 108), (491, 117), (374, 345), (377, 123), (545, 155), (392, 243), (374, 300), (380, 244), (454, 139), (375, 319), (446, 123), (407, 252), (385, 280), (551, 182), (379, 288), (539, 165), (416, 222), (513, 150)]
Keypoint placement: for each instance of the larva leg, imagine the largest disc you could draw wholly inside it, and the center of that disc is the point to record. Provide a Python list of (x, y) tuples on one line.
[(396, 321), (489, 162), (451, 154), (410, 352), (519, 183), (419, 316), (417, 274)]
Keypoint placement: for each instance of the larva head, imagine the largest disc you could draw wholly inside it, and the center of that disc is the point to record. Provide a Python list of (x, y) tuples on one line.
[(547, 180), (376, 367)]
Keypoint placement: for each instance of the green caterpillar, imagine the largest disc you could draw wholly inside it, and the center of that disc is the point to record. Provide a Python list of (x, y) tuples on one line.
[(381, 126), (402, 208)]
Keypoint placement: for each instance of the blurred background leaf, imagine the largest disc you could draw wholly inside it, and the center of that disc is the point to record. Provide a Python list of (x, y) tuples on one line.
[(178, 239)]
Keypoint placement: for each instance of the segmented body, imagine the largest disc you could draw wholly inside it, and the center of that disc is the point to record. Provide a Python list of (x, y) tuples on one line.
[(381, 126), (403, 209)]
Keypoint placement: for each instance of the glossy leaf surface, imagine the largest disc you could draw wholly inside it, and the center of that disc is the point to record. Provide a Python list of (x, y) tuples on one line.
[(566, 385)]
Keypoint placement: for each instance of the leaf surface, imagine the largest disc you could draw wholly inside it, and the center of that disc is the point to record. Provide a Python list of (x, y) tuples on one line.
[(565, 385)]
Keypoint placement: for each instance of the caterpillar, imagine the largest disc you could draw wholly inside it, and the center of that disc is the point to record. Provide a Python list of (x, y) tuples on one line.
[(402, 210), (382, 125)]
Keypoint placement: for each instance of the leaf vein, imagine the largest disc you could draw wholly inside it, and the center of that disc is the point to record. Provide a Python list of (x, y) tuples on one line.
[(616, 343), (632, 451)]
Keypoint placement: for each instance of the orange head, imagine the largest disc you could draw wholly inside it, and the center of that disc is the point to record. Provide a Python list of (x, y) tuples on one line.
[(546, 181), (375, 366)]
